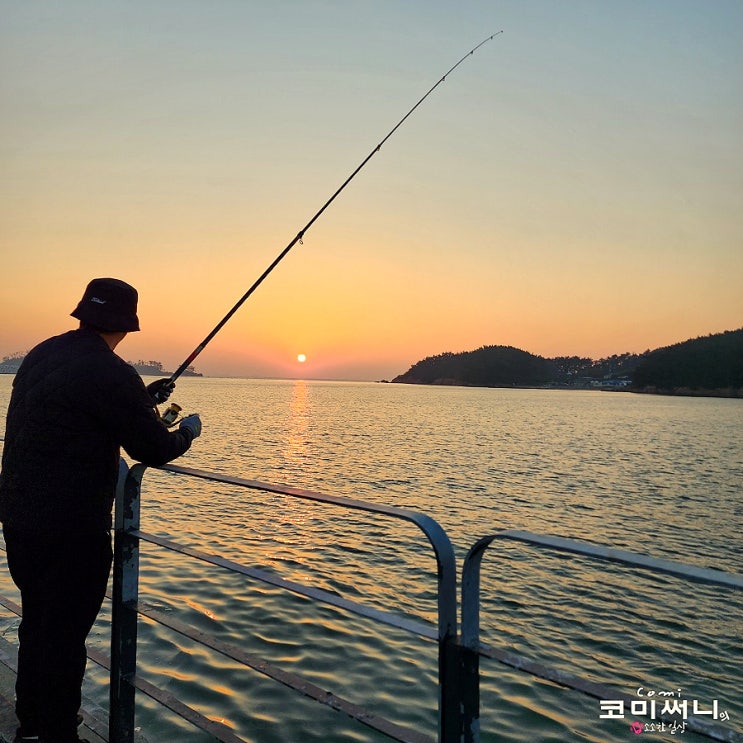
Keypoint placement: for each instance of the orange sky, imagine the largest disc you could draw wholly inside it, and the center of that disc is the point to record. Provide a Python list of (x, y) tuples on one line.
[(573, 188)]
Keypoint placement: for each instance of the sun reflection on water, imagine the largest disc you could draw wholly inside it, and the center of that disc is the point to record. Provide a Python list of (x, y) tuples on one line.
[(295, 451)]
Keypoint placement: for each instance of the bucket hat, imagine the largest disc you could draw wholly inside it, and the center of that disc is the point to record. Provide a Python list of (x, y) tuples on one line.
[(109, 304)]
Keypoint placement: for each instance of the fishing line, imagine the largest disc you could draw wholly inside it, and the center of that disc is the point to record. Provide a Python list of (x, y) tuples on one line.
[(298, 238)]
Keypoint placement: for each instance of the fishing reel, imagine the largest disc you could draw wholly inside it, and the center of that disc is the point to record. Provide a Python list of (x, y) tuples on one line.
[(169, 416), (160, 391)]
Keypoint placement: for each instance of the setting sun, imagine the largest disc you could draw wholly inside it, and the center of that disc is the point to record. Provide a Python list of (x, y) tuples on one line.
[(301, 358)]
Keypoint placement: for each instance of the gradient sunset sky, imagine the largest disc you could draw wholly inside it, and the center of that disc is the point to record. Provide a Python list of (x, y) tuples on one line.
[(575, 187)]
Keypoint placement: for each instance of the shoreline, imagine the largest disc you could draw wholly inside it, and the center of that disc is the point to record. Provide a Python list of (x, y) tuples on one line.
[(731, 393)]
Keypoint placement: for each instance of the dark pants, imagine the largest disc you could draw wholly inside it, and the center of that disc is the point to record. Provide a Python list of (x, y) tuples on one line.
[(62, 579)]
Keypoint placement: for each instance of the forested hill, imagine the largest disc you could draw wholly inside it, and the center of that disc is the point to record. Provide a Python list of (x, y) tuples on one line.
[(713, 363), (489, 366), (708, 365)]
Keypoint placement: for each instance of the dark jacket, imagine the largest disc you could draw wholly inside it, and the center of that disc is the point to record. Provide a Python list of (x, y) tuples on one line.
[(74, 403)]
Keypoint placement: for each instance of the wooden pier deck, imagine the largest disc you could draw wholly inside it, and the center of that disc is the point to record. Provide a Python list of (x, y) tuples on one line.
[(93, 729)]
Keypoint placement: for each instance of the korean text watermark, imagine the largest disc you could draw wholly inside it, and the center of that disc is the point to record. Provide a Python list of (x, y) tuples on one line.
[(663, 711)]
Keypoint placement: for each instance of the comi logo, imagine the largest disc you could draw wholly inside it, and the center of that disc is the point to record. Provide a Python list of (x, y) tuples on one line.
[(98, 300)]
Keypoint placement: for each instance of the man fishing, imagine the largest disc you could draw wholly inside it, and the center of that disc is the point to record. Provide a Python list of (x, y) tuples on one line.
[(74, 404)]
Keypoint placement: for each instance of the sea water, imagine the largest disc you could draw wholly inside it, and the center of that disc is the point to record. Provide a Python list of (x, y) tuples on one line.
[(656, 475)]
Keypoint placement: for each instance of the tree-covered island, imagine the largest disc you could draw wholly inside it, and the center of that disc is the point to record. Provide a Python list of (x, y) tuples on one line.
[(155, 369), (707, 366), (10, 365)]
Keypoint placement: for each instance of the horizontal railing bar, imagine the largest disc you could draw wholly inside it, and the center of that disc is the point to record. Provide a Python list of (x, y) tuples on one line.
[(393, 620), (670, 567), (599, 691), (219, 730), (10, 605), (562, 678), (429, 526), (388, 728)]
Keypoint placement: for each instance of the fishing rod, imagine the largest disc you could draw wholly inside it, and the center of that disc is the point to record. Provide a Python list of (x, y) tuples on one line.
[(298, 238)]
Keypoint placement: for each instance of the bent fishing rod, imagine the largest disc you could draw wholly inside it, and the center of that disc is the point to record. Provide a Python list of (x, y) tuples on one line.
[(298, 238)]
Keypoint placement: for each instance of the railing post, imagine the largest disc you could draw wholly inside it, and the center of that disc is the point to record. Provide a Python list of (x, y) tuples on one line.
[(124, 601), (450, 700), (470, 669)]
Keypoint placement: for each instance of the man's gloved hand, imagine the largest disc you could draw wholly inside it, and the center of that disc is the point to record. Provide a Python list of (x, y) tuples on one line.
[(192, 423), (160, 390)]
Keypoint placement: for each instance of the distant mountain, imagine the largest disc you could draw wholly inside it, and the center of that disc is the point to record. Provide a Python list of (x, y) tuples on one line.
[(155, 369), (712, 365), (11, 364)]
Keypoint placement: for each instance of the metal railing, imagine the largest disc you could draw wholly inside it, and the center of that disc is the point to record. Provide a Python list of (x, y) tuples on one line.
[(472, 649), (126, 606), (458, 656)]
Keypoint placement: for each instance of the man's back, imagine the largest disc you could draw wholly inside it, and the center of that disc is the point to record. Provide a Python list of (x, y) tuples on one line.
[(74, 403)]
